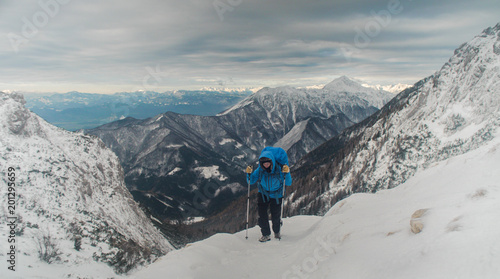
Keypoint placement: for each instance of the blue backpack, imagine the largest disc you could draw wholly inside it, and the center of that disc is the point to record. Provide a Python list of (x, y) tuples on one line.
[(279, 154)]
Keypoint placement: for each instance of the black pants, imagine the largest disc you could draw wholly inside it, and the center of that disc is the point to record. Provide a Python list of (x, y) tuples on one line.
[(264, 215)]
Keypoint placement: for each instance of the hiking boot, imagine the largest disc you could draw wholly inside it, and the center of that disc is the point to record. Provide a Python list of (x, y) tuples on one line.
[(265, 238), (277, 236)]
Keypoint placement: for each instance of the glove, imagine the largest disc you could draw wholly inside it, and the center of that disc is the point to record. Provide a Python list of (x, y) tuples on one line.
[(285, 169), (249, 169)]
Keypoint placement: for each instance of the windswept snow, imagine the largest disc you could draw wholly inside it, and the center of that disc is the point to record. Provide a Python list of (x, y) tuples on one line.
[(369, 236)]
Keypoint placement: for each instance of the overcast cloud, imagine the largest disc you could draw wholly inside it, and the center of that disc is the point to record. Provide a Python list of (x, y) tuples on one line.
[(112, 46)]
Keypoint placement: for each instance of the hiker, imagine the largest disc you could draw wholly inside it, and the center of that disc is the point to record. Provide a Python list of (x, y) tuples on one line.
[(271, 174)]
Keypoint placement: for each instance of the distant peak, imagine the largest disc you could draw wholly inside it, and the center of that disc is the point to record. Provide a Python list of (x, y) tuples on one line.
[(344, 78), (343, 82)]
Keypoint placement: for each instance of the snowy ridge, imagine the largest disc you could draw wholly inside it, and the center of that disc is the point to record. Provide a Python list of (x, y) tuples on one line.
[(374, 97), (341, 92), (248, 100), (369, 235), (450, 113), (70, 189)]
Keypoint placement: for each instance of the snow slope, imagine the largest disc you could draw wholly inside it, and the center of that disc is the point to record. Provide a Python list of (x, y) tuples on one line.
[(369, 236), (69, 201)]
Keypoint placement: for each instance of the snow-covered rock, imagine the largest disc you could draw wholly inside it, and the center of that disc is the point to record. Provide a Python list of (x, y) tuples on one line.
[(69, 199)]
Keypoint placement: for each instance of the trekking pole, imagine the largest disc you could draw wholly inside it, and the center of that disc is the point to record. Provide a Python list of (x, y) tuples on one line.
[(248, 202), (283, 198), (248, 209), (282, 203)]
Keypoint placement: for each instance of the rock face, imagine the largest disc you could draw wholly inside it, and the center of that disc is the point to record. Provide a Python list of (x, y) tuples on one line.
[(449, 113), (71, 203), (187, 165)]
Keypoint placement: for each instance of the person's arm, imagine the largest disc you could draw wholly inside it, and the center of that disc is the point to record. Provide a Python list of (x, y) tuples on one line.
[(254, 176)]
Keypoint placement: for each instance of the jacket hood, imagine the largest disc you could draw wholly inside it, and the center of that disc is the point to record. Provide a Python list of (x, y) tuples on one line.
[(267, 154)]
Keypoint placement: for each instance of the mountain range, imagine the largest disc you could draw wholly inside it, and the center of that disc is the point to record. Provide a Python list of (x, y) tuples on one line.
[(74, 110), (186, 165)]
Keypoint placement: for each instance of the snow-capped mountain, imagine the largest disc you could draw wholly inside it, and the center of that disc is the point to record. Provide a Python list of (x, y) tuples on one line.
[(449, 113), (283, 116), (333, 98), (171, 160), (393, 88), (69, 204), (231, 89)]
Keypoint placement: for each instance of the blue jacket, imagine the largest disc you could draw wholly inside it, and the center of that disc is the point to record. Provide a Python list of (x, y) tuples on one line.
[(271, 183)]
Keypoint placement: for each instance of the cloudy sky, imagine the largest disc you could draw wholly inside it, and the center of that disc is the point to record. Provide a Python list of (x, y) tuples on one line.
[(112, 46)]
